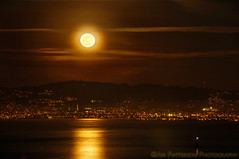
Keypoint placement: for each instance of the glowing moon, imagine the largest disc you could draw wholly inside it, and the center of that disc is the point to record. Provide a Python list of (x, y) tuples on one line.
[(87, 40)]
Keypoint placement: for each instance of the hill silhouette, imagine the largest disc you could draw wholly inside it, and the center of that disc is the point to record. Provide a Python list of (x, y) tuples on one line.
[(111, 92)]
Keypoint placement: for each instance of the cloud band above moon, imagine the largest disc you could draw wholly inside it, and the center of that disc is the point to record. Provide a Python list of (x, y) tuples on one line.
[(206, 29)]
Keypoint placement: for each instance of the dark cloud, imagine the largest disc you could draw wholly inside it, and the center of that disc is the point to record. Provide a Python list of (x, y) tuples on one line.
[(115, 13)]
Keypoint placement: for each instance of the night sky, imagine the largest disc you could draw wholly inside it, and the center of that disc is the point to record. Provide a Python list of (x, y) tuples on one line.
[(167, 42)]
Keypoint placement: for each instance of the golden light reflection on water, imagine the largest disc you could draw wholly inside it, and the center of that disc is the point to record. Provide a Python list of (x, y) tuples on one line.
[(88, 144)]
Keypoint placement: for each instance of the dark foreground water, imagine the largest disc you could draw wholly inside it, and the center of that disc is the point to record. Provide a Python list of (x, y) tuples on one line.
[(116, 139)]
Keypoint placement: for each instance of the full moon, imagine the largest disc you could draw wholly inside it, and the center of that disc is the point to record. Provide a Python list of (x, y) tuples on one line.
[(87, 40)]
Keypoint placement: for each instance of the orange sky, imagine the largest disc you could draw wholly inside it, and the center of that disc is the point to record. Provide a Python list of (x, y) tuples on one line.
[(174, 42)]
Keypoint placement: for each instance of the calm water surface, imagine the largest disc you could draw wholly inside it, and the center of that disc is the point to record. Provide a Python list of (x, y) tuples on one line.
[(106, 139)]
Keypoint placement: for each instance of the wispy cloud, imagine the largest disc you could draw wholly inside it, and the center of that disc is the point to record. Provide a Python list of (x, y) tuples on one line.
[(36, 52), (28, 30), (73, 54), (207, 29), (158, 55)]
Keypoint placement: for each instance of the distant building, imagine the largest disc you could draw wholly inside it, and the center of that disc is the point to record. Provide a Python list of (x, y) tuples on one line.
[(209, 109), (88, 110)]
